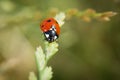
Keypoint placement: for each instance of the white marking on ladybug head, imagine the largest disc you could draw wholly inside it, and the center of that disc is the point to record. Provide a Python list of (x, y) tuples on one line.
[(55, 37), (53, 28), (53, 31), (47, 35)]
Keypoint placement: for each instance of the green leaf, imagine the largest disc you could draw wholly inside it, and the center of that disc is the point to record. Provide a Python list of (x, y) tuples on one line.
[(47, 74), (51, 49), (40, 58)]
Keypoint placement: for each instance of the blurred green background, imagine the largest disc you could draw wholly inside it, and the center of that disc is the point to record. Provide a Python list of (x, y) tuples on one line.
[(87, 51)]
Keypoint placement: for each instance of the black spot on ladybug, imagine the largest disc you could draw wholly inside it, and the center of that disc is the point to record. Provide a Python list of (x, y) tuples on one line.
[(42, 26), (56, 22), (49, 20)]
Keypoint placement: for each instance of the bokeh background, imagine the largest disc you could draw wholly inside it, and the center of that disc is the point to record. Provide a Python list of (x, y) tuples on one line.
[(87, 50)]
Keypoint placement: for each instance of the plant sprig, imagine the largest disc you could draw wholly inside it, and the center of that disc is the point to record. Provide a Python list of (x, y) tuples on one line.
[(42, 56)]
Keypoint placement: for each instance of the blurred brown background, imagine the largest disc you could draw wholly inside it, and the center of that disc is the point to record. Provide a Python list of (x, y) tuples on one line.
[(87, 51)]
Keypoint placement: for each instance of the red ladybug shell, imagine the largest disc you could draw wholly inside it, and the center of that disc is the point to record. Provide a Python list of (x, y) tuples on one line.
[(48, 23), (50, 29)]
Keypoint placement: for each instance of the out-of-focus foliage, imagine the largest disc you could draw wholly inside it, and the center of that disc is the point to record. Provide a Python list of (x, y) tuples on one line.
[(88, 50)]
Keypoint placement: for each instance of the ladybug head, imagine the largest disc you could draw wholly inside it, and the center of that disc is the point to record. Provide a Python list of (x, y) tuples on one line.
[(51, 34)]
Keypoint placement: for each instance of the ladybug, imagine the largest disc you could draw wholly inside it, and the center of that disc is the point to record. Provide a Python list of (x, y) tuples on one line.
[(50, 29)]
